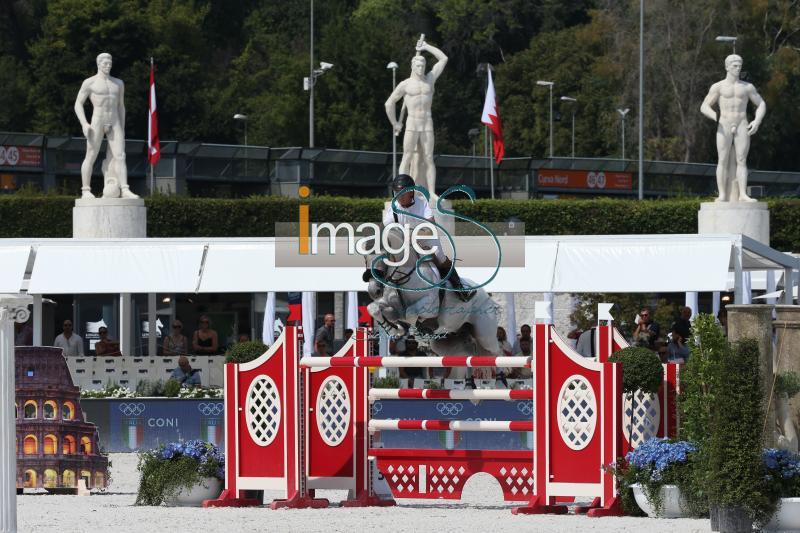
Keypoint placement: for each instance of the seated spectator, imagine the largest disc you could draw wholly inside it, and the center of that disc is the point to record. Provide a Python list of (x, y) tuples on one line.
[(412, 350), (320, 349), (243, 337), (70, 342), (205, 340), (677, 350), (684, 322), (524, 331), (502, 339), (185, 374), (176, 342), (646, 331), (525, 350), (661, 350), (106, 346)]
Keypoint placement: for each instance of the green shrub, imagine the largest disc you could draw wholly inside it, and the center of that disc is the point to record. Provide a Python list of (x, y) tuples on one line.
[(149, 388), (389, 382), (641, 370), (787, 383), (244, 352), (172, 388)]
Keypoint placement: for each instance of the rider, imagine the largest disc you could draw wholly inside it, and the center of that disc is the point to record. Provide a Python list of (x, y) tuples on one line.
[(418, 205)]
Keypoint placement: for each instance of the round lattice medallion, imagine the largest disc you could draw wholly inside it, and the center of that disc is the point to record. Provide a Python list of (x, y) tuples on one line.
[(333, 411), (577, 412), (641, 424), (263, 410)]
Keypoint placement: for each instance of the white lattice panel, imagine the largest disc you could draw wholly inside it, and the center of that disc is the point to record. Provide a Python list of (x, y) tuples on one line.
[(444, 480), (517, 480), (402, 477), (577, 412), (263, 410), (643, 423), (333, 411)]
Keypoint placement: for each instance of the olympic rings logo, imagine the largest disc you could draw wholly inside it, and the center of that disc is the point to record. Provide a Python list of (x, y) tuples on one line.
[(132, 409), (526, 408), (377, 407), (449, 408), (210, 409)]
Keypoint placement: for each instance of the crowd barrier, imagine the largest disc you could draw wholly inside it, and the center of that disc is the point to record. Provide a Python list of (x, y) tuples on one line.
[(95, 372), (298, 425)]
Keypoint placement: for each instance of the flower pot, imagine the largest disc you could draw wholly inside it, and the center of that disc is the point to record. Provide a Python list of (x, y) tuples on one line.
[(208, 489), (670, 495), (787, 517), (734, 520)]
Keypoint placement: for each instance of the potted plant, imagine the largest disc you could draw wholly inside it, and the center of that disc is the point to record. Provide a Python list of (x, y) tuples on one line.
[(244, 352), (180, 473), (782, 474), (655, 472)]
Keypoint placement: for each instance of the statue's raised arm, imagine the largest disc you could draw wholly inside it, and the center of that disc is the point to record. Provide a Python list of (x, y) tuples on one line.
[(441, 58)]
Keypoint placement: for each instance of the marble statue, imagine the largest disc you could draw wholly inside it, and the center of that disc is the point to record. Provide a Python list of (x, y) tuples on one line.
[(733, 130), (107, 95), (417, 95)]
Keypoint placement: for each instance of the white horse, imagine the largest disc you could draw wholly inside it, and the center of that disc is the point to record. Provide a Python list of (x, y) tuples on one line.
[(456, 327)]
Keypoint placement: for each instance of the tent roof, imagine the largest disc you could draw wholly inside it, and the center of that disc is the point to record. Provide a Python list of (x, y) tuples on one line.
[(594, 263)]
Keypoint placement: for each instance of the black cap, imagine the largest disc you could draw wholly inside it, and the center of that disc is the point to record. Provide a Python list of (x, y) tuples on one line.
[(401, 182)]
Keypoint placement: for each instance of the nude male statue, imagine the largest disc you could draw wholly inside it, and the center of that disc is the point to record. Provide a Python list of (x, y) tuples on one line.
[(107, 95), (733, 130), (417, 94)]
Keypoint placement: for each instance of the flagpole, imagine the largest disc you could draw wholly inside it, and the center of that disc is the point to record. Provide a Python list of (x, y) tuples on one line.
[(491, 162), (149, 134)]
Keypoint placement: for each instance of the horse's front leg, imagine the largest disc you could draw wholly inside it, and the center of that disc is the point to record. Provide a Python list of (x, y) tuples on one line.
[(386, 318)]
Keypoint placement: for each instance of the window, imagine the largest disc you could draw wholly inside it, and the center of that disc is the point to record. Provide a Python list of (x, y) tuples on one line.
[(50, 478), (30, 479), (87, 477), (31, 409), (49, 410), (68, 478), (69, 446), (86, 447), (99, 480), (50, 445), (67, 411), (30, 445)]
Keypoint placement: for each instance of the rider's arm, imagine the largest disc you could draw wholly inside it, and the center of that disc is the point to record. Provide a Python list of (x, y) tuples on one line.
[(710, 99)]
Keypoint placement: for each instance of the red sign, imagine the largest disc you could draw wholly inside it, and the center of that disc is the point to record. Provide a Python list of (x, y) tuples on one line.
[(20, 156), (584, 179)]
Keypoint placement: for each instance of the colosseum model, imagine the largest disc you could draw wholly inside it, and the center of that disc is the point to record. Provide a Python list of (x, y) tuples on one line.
[(55, 445)]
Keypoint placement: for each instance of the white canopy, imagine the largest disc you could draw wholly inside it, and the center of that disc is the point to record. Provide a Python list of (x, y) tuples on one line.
[(596, 263)]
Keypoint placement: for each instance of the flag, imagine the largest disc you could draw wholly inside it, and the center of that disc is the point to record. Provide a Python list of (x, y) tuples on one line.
[(491, 117), (153, 144)]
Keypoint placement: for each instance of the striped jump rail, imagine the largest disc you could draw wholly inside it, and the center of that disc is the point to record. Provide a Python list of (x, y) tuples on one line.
[(417, 362), (448, 394), (451, 425)]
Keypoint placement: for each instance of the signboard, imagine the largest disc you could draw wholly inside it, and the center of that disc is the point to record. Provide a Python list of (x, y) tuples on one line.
[(584, 179), (20, 156)]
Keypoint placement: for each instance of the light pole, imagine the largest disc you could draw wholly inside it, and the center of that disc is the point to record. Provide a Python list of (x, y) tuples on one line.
[(393, 66), (574, 106), (473, 134), (622, 113), (641, 99), (243, 118), (549, 85), (727, 39)]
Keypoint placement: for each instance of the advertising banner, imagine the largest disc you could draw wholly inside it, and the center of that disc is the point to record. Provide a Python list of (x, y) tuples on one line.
[(584, 179), (20, 156)]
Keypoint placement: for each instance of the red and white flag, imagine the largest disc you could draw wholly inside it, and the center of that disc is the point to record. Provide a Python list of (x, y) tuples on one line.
[(153, 144), (491, 117)]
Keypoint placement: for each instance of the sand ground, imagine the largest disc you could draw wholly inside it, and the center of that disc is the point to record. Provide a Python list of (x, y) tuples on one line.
[(481, 510)]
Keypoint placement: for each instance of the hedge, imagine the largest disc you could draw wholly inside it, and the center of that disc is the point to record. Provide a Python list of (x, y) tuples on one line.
[(177, 216)]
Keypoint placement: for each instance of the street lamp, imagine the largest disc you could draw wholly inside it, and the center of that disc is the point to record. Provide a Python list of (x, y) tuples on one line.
[(549, 85), (622, 113), (308, 85), (575, 105), (727, 39), (243, 118), (393, 66)]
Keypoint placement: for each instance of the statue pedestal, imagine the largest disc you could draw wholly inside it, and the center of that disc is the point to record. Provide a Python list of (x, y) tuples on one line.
[(109, 218), (748, 218)]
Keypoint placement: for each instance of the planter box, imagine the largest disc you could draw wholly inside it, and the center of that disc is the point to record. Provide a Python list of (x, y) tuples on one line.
[(209, 489), (787, 517), (670, 495)]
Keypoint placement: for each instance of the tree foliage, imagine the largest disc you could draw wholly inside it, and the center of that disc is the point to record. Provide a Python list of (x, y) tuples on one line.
[(217, 58)]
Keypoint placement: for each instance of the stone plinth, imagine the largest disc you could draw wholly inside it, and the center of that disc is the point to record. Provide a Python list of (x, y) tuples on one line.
[(755, 321), (787, 328), (110, 218), (748, 218)]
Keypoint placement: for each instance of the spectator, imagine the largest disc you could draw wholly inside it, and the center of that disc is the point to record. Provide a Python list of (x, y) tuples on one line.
[(684, 322), (524, 331), (70, 342), (347, 334), (326, 332), (525, 347), (585, 344), (106, 346), (661, 350), (677, 350), (243, 337), (176, 343), (320, 349), (646, 331), (205, 340), (185, 374), (412, 350), (23, 334), (502, 339)]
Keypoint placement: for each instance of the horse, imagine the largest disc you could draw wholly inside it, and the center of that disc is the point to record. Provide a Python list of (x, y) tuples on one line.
[(453, 326)]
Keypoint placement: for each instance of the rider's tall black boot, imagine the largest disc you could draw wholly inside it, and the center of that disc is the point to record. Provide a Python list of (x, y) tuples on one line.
[(455, 279)]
